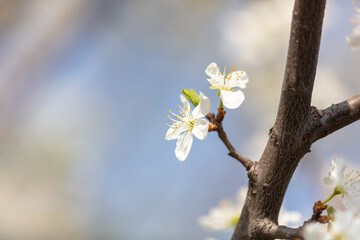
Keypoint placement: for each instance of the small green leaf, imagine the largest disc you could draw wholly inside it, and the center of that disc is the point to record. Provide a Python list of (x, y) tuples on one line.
[(192, 96), (213, 87), (330, 212)]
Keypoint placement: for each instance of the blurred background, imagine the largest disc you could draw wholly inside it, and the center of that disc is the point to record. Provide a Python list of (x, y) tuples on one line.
[(85, 87)]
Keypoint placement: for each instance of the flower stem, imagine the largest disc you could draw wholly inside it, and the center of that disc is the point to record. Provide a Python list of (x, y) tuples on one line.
[(221, 104), (329, 198)]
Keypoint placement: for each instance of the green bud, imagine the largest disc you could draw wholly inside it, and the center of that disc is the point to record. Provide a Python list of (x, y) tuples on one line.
[(331, 212), (192, 96)]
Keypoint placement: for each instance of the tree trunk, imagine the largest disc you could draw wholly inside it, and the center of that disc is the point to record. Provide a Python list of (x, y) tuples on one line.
[(289, 140)]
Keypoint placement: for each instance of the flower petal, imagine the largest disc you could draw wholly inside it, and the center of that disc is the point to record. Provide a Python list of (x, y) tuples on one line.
[(203, 107), (174, 132), (232, 99), (335, 175), (201, 128), (351, 199), (239, 79), (186, 104), (212, 70), (183, 146), (216, 78)]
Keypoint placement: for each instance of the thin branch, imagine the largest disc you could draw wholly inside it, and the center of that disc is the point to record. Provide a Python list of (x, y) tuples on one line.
[(333, 118), (232, 151), (216, 125)]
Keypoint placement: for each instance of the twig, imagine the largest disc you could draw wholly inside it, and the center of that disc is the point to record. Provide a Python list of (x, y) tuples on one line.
[(216, 125), (273, 230)]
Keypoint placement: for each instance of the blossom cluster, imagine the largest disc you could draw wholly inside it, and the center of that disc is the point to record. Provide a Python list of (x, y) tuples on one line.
[(190, 122), (343, 225)]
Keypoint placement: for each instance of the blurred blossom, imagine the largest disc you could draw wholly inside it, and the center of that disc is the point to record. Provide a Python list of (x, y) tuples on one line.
[(258, 33), (346, 226), (225, 216), (354, 39)]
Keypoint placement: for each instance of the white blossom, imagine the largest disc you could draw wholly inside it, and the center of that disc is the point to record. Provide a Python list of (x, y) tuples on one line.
[(354, 39), (346, 183), (226, 215), (346, 226), (189, 123), (226, 83), (316, 231)]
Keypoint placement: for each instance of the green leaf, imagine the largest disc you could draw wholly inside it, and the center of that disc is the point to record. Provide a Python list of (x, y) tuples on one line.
[(330, 212), (192, 96)]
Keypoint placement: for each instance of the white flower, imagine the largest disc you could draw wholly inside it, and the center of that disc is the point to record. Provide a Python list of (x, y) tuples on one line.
[(346, 183), (226, 84), (226, 215), (316, 231), (346, 226), (188, 124), (354, 39)]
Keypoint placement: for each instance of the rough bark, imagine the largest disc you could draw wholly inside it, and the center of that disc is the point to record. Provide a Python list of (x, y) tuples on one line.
[(287, 144)]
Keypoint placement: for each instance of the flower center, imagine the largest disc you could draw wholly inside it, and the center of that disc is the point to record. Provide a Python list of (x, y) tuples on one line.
[(185, 119)]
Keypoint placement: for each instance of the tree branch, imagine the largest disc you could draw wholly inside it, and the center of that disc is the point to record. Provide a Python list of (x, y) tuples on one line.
[(333, 118), (285, 147), (232, 151), (217, 126), (271, 230)]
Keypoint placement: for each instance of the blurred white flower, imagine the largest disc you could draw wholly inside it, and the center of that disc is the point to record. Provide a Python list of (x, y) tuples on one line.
[(226, 83), (316, 231), (354, 39), (346, 226), (226, 215), (346, 183), (190, 123), (260, 35)]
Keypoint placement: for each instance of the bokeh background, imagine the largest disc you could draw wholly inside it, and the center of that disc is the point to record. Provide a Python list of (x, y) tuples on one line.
[(85, 87)]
